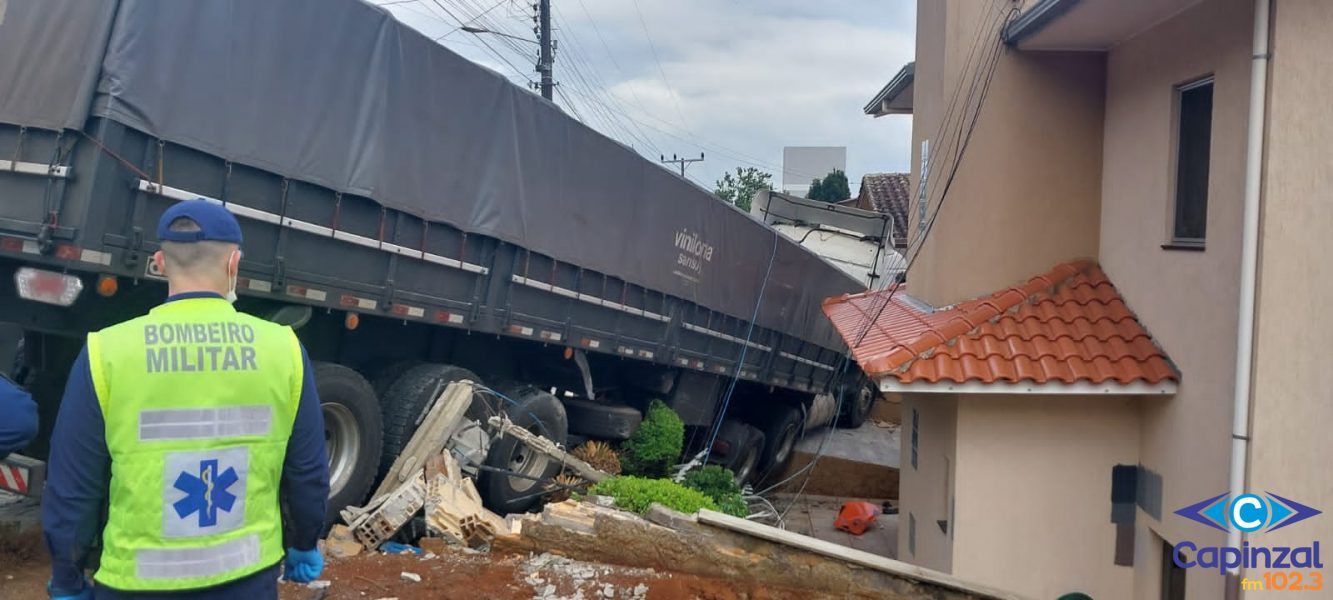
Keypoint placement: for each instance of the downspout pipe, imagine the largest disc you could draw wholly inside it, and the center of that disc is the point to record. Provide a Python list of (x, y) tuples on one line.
[(1254, 147)]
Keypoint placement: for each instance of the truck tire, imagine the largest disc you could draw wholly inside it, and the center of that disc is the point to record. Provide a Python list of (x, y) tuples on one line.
[(383, 374), (601, 420), (352, 434), (739, 447), (782, 427), (856, 402), (406, 400), (746, 465), (538, 412)]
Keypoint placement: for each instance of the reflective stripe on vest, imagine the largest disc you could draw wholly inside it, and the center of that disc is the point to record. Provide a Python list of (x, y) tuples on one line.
[(198, 402)]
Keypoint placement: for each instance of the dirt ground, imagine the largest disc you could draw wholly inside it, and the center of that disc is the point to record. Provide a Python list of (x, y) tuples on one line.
[(449, 574)]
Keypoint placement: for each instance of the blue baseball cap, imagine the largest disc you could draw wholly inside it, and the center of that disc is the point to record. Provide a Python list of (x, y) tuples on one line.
[(216, 224)]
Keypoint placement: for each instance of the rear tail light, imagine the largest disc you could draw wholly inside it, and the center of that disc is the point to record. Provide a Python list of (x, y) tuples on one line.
[(47, 287)]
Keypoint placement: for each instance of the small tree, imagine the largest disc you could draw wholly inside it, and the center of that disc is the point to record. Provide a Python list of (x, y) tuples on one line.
[(816, 191), (740, 190), (832, 188)]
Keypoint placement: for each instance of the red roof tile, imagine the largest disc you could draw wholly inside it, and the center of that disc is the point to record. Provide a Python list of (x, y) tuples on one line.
[(888, 193), (1067, 325)]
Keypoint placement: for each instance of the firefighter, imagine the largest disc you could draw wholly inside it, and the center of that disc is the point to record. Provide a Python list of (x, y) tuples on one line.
[(189, 423)]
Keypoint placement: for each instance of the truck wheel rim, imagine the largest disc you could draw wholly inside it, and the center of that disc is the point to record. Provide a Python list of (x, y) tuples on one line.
[(342, 440), (528, 462), (747, 465), (785, 444)]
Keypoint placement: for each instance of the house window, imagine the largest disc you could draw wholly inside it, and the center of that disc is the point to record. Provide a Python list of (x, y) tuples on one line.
[(1194, 133), (1173, 575), (911, 534), (916, 427)]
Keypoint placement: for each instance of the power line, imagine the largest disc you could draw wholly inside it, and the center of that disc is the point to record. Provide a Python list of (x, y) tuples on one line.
[(991, 63), (674, 100)]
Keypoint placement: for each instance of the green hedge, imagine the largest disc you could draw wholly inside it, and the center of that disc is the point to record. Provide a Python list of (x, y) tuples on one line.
[(656, 445), (636, 494), (719, 484)]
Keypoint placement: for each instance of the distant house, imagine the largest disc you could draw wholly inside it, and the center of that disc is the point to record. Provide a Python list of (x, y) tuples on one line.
[(889, 194), (1116, 313)]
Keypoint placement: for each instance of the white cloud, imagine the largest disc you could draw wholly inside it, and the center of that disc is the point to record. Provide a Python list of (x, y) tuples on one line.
[(743, 78)]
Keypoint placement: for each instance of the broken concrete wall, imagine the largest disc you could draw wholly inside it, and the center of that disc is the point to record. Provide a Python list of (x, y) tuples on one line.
[(680, 543)]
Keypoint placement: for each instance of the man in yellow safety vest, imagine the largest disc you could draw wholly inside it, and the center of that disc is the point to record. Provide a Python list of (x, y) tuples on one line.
[(190, 422)]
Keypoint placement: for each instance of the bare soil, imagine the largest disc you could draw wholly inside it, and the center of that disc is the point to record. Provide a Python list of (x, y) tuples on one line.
[(452, 573)]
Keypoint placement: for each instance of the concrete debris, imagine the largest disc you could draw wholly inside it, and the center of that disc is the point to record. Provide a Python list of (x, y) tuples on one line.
[(319, 584), (341, 543), (453, 505), (431, 436), (549, 448), (719, 547), (410, 576)]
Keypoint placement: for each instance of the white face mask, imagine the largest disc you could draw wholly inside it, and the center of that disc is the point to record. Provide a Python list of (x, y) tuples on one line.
[(231, 277)]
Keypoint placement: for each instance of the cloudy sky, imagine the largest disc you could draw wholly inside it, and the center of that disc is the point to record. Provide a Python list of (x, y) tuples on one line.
[(735, 79)]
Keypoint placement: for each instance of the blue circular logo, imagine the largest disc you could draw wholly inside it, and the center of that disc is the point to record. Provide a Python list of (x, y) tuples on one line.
[(1248, 513)]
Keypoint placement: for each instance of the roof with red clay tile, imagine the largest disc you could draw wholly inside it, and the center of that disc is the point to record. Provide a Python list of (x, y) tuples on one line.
[(1065, 326)]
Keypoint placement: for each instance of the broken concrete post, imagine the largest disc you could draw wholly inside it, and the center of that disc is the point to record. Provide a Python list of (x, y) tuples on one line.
[(431, 436), (547, 447), (586, 532)]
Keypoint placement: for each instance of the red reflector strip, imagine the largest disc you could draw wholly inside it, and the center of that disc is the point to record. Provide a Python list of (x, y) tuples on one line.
[(403, 310), (520, 330), (356, 302), (301, 291), (9, 244), (444, 316), (552, 336), (589, 343), (68, 252), (14, 479)]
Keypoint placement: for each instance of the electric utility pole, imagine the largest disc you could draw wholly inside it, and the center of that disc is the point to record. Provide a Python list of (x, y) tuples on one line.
[(546, 60), (682, 161)]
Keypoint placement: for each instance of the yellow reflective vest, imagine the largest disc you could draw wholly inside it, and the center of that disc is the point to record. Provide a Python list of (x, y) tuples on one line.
[(199, 402)]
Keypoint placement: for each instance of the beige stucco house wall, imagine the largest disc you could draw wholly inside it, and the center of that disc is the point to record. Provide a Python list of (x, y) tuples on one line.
[(1043, 198), (1188, 299), (924, 489), (1074, 156), (1292, 412), (1034, 492)]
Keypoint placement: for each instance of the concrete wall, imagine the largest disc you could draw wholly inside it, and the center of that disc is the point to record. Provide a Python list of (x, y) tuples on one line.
[(1292, 413), (1034, 492), (922, 489), (1027, 191), (1186, 299)]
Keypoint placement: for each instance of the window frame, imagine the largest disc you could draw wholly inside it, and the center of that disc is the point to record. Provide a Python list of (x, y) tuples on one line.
[(1174, 240)]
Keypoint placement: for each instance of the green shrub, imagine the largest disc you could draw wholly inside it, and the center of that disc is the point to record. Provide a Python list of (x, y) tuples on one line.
[(657, 443), (636, 494), (719, 484)]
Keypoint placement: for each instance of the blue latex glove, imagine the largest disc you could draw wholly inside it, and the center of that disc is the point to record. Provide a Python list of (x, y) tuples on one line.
[(303, 566), (84, 594)]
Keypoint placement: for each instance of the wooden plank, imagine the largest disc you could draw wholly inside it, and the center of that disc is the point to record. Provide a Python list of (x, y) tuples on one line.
[(547, 447), (858, 557), (431, 436)]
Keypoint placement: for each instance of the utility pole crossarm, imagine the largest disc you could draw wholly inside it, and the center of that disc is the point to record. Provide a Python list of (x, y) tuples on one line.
[(681, 161)]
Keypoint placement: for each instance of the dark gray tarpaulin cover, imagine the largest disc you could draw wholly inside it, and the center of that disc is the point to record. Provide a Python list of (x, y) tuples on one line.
[(339, 93), (50, 53)]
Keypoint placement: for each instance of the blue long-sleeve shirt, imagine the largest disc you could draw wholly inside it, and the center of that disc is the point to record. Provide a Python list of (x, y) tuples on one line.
[(79, 477), (19, 424)]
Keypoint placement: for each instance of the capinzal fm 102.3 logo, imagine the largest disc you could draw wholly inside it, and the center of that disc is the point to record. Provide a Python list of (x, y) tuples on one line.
[(1249, 513)]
